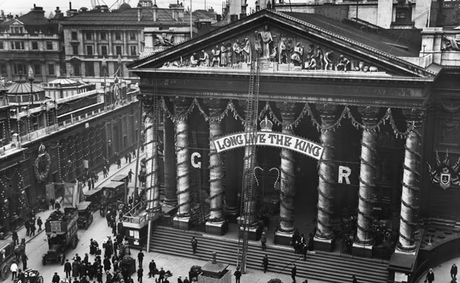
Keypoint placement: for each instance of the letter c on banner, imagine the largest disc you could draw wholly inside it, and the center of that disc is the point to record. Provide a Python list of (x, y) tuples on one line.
[(195, 163)]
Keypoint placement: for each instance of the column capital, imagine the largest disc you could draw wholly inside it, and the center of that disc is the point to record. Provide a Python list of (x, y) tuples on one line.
[(215, 106), (287, 110), (328, 113), (414, 116), (181, 104), (369, 114)]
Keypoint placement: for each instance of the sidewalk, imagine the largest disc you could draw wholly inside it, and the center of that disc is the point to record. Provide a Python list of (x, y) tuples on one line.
[(113, 171)]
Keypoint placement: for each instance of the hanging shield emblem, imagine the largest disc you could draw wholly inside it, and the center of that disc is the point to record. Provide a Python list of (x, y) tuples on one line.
[(444, 181)]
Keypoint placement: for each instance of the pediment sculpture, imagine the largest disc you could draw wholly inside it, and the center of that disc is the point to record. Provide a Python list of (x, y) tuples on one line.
[(272, 46)]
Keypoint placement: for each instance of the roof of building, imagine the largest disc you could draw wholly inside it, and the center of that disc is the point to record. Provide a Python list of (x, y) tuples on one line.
[(23, 87), (401, 42), (34, 22), (64, 82)]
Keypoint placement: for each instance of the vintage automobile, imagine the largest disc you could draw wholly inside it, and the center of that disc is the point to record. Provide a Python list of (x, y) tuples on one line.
[(85, 214), (113, 193), (95, 196), (7, 256)]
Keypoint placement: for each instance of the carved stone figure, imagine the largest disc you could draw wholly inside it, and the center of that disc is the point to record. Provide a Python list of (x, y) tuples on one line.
[(237, 52), (310, 63), (449, 43), (204, 60), (194, 60), (297, 56), (328, 60), (229, 54), (246, 51), (223, 55), (164, 40), (215, 56), (319, 57), (282, 51), (343, 64), (267, 39), (274, 54)]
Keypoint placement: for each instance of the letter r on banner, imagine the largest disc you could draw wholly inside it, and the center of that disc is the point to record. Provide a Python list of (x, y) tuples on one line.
[(344, 173)]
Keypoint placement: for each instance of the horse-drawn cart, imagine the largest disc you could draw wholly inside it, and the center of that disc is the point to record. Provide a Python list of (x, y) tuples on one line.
[(6, 257)]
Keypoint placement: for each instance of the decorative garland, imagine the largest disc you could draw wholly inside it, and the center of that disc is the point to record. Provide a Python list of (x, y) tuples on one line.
[(42, 175)]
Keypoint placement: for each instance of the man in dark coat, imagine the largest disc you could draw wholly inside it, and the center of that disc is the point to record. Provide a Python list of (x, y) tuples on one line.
[(194, 243), (140, 258), (67, 268), (140, 274), (265, 263), (293, 272), (24, 261), (237, 274), (39, 223), (75, 269), (453, 271), (15, 237), (56, 278), (152, 268), (107, 264)]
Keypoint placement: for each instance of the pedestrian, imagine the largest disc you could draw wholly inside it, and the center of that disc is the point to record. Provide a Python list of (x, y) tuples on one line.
[(32, 229), (161, 275), (39, 223), (129, 157), (104, 171), (126, 158), (130, 175), (152, 269), (75, 269), (67, 268), (453, 271), (15, 237), (140, 273), (265, 263), (27, 225), (24, 261), (57, 205), (140, 257), (56, 278), (21, 276), (119, 163), (304, 251), (179, 280), (194, 244), (237, 274), (263, 240), (186, 280), (14, 270), (293, 272), (355, 280), (52, 203), (134, 153), (430, 276)]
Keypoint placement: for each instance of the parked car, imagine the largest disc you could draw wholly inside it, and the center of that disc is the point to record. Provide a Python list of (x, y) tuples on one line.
[(85, 214)]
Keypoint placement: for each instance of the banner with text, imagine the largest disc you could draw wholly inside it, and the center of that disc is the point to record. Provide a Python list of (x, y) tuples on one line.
[(294, 143)]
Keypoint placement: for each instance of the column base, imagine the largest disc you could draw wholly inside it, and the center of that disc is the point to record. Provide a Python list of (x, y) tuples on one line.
[(253, 233), (182, 223), (216, 228), (231, 213), (362, 250), (408, 251), (170, 202), (326, 245), (283, 238)]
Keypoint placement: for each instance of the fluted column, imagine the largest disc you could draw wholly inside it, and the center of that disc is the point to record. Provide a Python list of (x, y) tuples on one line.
[(169, 162), (287, 183), (216, 223), (183, 161), (367, 175), (410, 181), (151, 152), (324, 232)]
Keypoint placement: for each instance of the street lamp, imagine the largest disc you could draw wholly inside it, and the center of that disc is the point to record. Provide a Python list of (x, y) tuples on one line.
[(104, 70)]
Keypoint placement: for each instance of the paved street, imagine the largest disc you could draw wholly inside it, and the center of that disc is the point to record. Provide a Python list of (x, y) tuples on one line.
[(37, 246)]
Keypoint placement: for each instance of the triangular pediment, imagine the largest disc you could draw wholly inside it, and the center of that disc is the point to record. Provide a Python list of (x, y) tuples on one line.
[(284, 42)]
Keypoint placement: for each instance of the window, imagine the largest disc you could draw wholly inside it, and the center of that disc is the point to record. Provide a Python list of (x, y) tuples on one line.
[(103, 35), (38, 69), (16, 29), (117, 35), (74, 35), (17, 45), (49, 45), (34, 45), (19, 69), (118, 50), (1, 44), (50, 69), (76, 69), (89, 69), (104, 50), (89, 35), (3, 70), (401, 15), (133, 50), (89, 50), (132, 35), (75, 49)]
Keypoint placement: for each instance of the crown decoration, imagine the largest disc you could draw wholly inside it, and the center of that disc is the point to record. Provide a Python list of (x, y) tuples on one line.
[(266, 125), (41, 149), (443, 173)]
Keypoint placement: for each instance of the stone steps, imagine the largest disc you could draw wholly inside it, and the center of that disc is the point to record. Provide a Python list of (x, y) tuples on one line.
[(323, 266)]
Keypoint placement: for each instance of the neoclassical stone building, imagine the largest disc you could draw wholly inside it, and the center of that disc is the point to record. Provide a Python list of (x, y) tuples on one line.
[(344, 128)]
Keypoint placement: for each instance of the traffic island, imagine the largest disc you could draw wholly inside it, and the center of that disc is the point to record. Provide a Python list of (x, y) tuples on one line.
[(215, 272)]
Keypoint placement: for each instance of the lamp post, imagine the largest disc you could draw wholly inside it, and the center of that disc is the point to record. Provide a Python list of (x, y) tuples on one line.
[(104, 70), (30, 77)]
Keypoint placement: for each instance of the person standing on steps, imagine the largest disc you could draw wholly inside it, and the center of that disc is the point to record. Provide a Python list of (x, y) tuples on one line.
[(194, 243), (354, 279), (263, 240), (237, 274), (265, 263)]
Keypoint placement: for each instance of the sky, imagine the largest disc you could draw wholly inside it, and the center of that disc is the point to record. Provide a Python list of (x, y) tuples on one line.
[(16, 7)]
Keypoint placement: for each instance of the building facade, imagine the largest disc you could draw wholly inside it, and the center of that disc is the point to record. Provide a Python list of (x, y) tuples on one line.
[(353, 123)]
